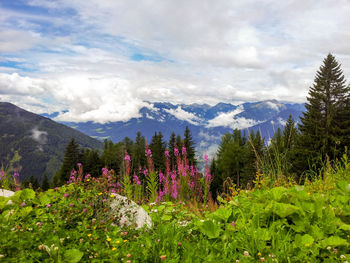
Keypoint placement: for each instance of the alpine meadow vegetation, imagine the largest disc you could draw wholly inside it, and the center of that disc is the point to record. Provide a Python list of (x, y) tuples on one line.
[(285, 201)]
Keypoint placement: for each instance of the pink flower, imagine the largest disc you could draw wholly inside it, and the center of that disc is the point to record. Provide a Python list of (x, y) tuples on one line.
[(167, 153), (66, 195), (233, 223), (127, 157), (70, 205), (184, 151), (162, 257), (79, 165), (48, 205), (158, 240), (84, 210), (23, 204), (176, 151)]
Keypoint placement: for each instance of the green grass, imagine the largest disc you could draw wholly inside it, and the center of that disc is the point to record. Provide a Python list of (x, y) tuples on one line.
[(309, 223)]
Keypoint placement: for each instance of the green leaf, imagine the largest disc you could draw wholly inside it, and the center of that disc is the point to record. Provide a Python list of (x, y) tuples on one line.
[(44, 200), (166, 217), (73, 255), (222, 213), (307, 240), (27, 194), (210, 229), (334, 241), (25, 211), (345, 227), (282, 210), (278, 193)]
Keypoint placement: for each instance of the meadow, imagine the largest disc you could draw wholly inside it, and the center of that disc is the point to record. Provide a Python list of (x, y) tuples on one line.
[(271, 222)]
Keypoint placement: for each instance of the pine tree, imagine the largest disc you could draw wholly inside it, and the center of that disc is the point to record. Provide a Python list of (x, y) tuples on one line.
[(157, 147), (138, 153), (190, 147), (171, 146), (290, 133), (45, 184), (323, 125), (72, 156)]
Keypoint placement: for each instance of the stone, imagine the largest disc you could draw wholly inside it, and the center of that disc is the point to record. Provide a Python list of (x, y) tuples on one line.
[(7, 193), (129, 214)]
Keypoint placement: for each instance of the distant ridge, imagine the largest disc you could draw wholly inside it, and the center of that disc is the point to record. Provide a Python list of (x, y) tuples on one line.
[(207, 123), (40, 141)]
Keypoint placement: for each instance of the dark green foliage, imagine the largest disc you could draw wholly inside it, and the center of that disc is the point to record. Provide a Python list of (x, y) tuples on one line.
[(171, 146), (158, 147), (45, 185), (112, 156), (138, 152), (190, 147), (92, 162), (38, 140), (324, 126), (72, 157)]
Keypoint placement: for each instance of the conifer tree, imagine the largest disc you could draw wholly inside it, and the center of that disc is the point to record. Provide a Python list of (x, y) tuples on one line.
[(324, 125), (45, 184), (72, 156), (171, 146), (138, 152), (157, 147), (190, 146), (290, 133)]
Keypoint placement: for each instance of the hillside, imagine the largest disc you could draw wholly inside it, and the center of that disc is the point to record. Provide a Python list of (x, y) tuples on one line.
[(39, 141)]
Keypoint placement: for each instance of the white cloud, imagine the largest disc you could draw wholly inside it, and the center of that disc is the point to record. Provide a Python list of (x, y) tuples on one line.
[(230, 120), (181, 114), (210, 51), (16, 84)]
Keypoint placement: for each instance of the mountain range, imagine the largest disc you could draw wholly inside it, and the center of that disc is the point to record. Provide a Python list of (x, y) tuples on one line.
[(39, 141), (206, 123)]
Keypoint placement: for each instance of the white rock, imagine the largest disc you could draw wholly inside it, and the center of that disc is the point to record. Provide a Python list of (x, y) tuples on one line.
[(129, 213), (6, 193)]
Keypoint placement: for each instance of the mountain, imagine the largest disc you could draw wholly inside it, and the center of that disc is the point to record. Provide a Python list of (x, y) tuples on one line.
[(207, 123), (39, 141)]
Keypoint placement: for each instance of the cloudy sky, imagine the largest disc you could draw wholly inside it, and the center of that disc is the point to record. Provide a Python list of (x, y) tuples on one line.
[(102, 59)]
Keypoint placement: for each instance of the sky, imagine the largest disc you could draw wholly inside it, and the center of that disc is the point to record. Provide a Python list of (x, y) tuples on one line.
[(103, 60)]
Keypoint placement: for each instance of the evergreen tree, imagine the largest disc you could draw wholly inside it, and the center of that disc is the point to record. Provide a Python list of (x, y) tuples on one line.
[(92, 163), (171, 146), (138, 153), (189, 144), (45, 184), (324, 125), (33, 182), (157, 147), (72, 156), (290, 133)]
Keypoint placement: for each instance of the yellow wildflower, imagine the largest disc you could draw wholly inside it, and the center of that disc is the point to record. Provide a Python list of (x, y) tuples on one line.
[(89, 235), (109, 239), (112, 195), (114, 249), (125, 241), (117, 241), (99, 193)]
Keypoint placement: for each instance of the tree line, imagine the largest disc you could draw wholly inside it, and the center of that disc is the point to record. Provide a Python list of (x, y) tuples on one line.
[(113, 155), (297, 152)]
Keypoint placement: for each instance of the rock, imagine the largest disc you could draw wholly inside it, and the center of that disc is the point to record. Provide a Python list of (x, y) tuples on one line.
[(128, 213), (6, 193)]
